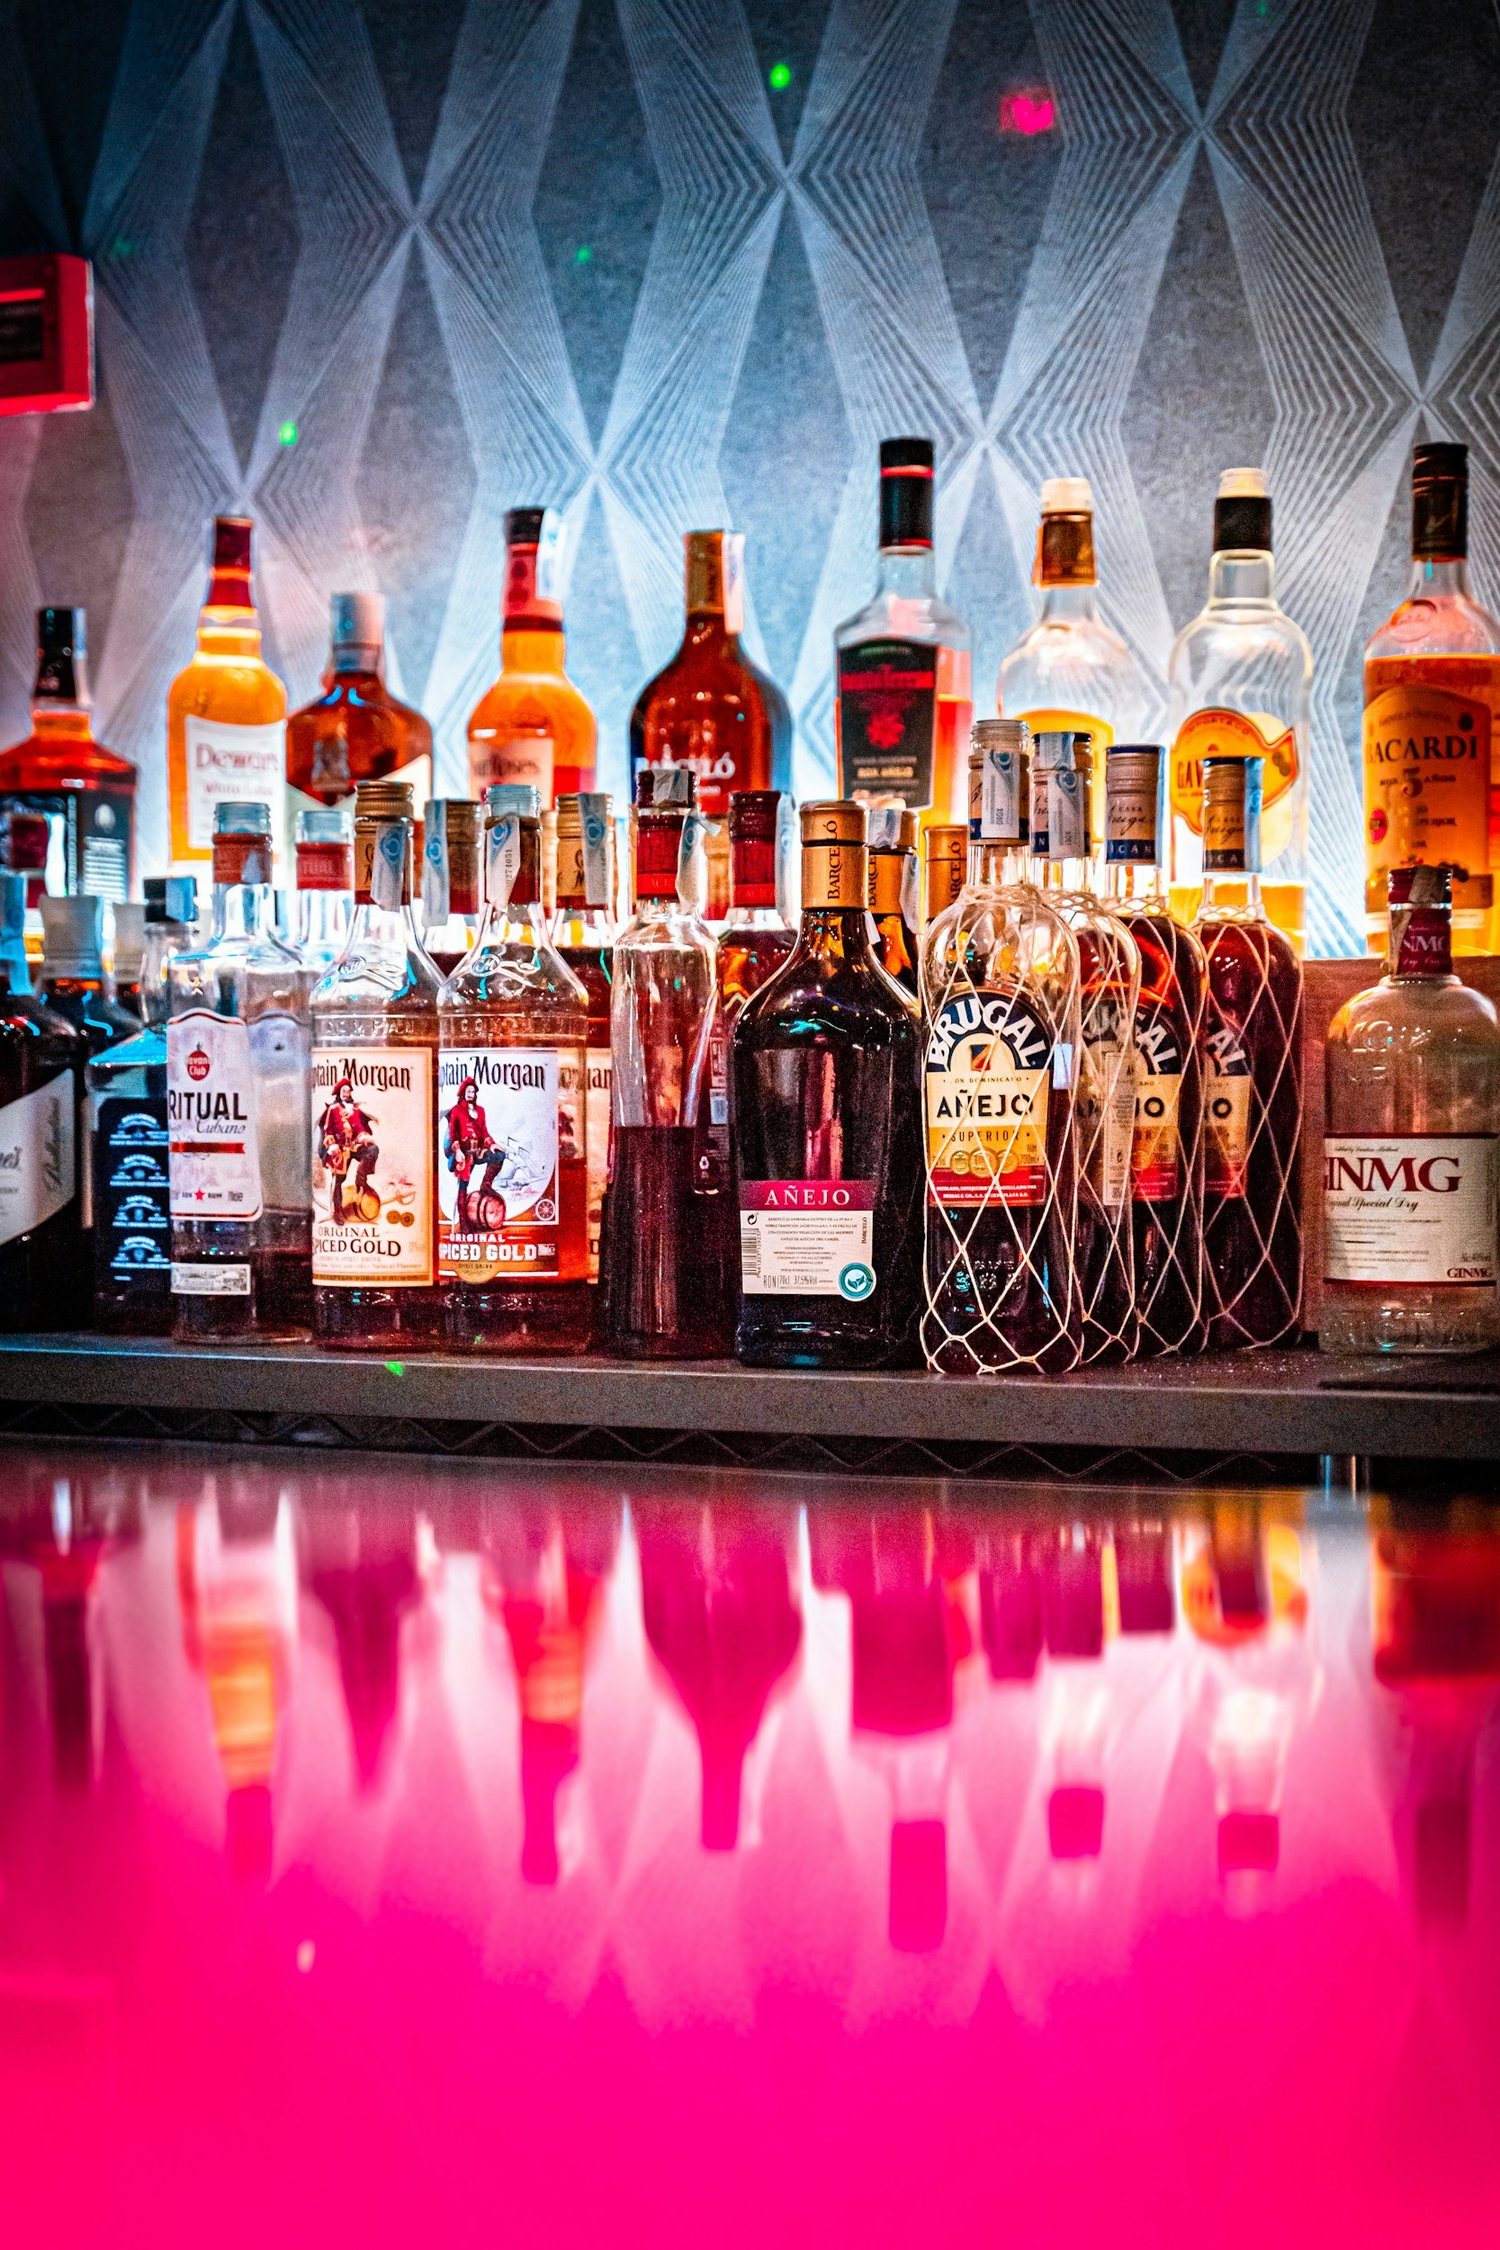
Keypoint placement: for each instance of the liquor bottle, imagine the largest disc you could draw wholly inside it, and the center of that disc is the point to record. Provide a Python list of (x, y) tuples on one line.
[(74, 981), (325, 886), (904, 695), (946, 847), (826, 1062), (226, 713), (1069, 671), (450, 880), (668, 1215), (1432, 713), (43, 1258), (584, 934), (237, 1094), (15, 960), (374, 1103), (1109, 970), (1166, 1158), (127, 950), (754, 944), (894, 892), (1000, 988), (532, 725), (84, 792), (1411, 1154), (512, 1164), (356, 730), (710, 709), (1252, 1225), (1239, 684), (128, 1138)]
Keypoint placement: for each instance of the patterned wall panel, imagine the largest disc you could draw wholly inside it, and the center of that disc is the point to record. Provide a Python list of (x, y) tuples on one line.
[(377, 271)]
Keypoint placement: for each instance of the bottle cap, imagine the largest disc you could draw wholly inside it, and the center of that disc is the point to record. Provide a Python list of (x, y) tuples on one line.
[(660, 786), (513, 797), (73, 936), (906, 481), (1242, 513), (383, 800), (1421, 925), (357, 624), (1440, 503), (1132, 784), (171, 901), (325, 854), (322, 824), (523, 526), (947, 853), (1231, 815), (1067, 496), (129, 939), (61, 654), (997, 734), (532, 599), (242, 819), (834, 820), (231, 550)]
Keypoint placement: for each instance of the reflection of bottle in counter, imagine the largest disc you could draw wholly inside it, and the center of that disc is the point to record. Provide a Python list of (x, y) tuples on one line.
[(70, 1536), (360, 1562)]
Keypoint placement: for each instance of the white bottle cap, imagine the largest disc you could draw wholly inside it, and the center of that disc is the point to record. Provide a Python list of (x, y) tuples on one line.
[(1243, 484), (358, 621), (1067, 496)]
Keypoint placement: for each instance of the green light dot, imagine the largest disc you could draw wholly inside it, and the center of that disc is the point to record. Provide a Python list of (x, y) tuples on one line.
[(779, 77), (287, 434), (394, 1367), (583, 255)]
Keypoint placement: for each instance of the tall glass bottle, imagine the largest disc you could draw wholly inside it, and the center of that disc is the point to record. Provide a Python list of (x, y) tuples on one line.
[(1252, 1223), (374, 1103), (1432, 714), (128, 1137), (512, 1164), (755, 942), (44, 1271), (532, 726), (668, 1215), (904, 677), (1239, 684), (84, 791), (356, 730), (1412, 1146), (127, 952), (74, 981), (325, 885), (1166, 1159), (895, 891), (450, 880), (226, 713), (1000, 990), (584, 934), (237, 1095), (826, 1061)]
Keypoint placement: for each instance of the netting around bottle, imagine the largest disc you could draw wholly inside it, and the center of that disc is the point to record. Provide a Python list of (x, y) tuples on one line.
[(1170, 1303), (1106, 1129), (1255, 1297)]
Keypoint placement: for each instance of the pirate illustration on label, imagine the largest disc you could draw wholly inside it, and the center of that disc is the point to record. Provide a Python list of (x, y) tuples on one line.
[(346, 1137), (487, 1174)]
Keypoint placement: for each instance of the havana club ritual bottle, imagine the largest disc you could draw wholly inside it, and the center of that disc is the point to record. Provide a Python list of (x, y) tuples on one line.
[(1411, 1153), (532, 726), (512, 1161), (584, 934), (1432, 710), (226, 713), (374, 1103), (356, 730), (1252, 1225), (827, 1060), (325, 885), (904, 695), (84, 792)]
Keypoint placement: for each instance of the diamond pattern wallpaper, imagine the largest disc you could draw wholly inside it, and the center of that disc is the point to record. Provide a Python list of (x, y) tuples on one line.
[(375, 270)]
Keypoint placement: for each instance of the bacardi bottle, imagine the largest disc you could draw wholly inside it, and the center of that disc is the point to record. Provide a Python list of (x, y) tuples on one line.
[(895, 891), (584, 934), (1252, 1224), (826, 1062), (512, 1164), (1411, 1154), (450, 880), (904, 692), (60, 774), (237, 1092), (325, 885), (226, 713), (374, 1103), (356, 730), (43, 1261), (532, 727)]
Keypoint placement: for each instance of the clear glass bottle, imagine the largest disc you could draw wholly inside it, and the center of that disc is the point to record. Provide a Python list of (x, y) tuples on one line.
[(1166, 1160), (1252, 1217), (1412, 1146), (668, 1215), (1000, 992), (450, 880), (532, 726), (754, 943), (374, 1103), (128, 1137), (584, 934), (237, 1097), (1432, 714), (44, 1273), (325, 886), (74, 981), (1070, 672), (226, 713), (895, 891), (826, 1060), (84, 791), (127, 949), (356, 730), (904, 680), (1239, 684), (512, 1162)]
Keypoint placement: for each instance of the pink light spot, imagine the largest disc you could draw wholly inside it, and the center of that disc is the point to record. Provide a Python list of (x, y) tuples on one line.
[(1032, 111)]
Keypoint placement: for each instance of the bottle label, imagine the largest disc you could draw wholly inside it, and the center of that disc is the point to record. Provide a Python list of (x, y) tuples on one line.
[(808, 1238), (435, 885), (1427, 778), (325, 867), (599, 1065), (1156, 1145), (372, 1148), (132, 1190), (1219, 733), (1067, 813), (525, 754), (835, 874), (234, 765), (887, 719), (1226, 1115), (506, 1115), (595, 869), (995, 798), (989, 1060), (38, 1156), (1411, 1209), (1106, 1106), (217, 1277), (90, 838), (211, 1117), (1099, 731), (1130, 789)]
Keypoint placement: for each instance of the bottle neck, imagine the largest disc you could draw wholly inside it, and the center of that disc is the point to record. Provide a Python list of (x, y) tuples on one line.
[(756, 918), (908, 573), (1233, 891), (1437, 578), (163, 939), (381, 929), (242, 910), (1240, 575), (1420, 948), (836, 927), (532, 648), (353, 661), (997, 862), (1134, 879), (323, 918), (584, 927), (58, 721), (1069, 605)]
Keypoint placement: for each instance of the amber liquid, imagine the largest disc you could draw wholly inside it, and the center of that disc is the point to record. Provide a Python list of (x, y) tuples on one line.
[(356, 732), (667, 1248), (1252, 1242), (228, 682), (532, 725), (1474, 929), (1285, 905), (711, 710), (1169, 1234)]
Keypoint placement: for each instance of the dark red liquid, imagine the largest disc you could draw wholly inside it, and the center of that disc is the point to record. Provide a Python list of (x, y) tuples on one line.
[(666, 1269), (1169, 1233), (1253, 1241)]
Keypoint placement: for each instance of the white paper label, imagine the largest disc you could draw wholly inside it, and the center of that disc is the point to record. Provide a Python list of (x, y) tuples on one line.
[(38, 1156), (594, 814), (807, 1238), (434, 867), (388, 864), (220, 1277), (234, 765), (1066, 825), (1403, 1208), (999, 811), (599, 1065), (502, 857), (211, 1118)]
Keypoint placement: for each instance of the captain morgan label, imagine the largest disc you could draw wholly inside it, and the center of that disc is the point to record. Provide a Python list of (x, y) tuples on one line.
[(506, 1117), (372, 1150), (989, 1062), (1410, 1209), (887, 719)]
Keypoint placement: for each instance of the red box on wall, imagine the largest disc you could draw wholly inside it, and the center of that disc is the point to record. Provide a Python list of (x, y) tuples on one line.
[(46, 333)]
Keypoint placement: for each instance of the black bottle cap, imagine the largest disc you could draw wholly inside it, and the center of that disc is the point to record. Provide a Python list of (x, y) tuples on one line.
[(523, 526), (1439, 503), (1242, 513), (906, 480), (61, 645)]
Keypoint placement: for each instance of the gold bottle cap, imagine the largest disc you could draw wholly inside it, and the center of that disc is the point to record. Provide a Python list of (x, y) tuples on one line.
[(1132, 782), (834, 820), (384, 800)]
